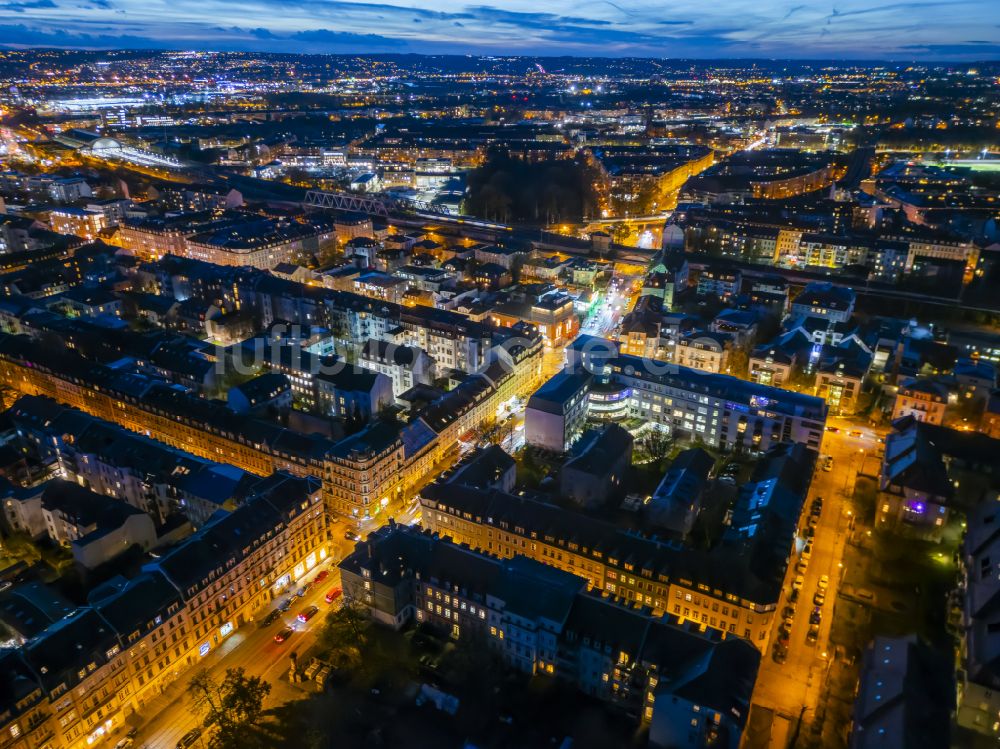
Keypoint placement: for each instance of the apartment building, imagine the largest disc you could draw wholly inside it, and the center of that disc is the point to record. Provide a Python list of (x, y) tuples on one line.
[(723, 411), (541, 620), (87, 674), (735, 588)]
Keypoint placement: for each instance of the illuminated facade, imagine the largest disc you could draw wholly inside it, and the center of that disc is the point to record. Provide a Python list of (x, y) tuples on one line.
[(87, 674)]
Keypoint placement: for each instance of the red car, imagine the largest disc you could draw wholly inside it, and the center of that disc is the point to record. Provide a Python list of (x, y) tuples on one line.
[(322, 576), (308, 614), (283, 634), (334, 594)]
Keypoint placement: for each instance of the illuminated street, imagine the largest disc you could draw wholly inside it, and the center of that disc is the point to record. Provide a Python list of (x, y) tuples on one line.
[(787, 688)]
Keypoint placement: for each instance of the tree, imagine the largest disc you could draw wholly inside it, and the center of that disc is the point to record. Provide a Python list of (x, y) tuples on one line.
[(345, 632), (739, 361), (233, 708), (656, 444)]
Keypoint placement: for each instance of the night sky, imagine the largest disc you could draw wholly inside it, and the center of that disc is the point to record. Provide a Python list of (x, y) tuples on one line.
[(844, 29)]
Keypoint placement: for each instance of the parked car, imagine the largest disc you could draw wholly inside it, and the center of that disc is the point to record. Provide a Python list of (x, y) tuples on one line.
[(271, 618), (813, 634), (779, 653), (816, 615), (124, 743), (798, 582), (189, 738), (828, 463), (801, 566), (322, 576), (819, 598), (308, 614), (334, 594), (807, 551), (284, 634), (285, 605), (824, 582), (793, 597), (302, 591), (787, 612)]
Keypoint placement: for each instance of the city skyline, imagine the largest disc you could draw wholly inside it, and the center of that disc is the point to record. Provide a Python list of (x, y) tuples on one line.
[(735, 29)]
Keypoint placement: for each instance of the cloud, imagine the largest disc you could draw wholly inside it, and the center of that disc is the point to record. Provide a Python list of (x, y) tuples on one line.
[(258, 40), (20, 7), (962, 50), (856, 29)]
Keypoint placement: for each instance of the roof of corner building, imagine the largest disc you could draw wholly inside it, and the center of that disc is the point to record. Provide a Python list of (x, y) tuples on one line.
[(371, 440), (69, 646), (557, 390)]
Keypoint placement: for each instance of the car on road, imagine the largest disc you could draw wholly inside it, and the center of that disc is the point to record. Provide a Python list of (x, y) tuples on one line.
[(308, 614), (322, 576), (271, 618), (819, 598), (284, 634), (334, 594), (824, 582), (132, 732), (798, 582), (834, 430), (856, 433), (285, 605), (352, 536), (779, 653), (189, 738), (124, 743), (816, 615)]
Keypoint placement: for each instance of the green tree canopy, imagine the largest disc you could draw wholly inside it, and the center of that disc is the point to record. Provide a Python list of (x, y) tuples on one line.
[(231, 709)]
